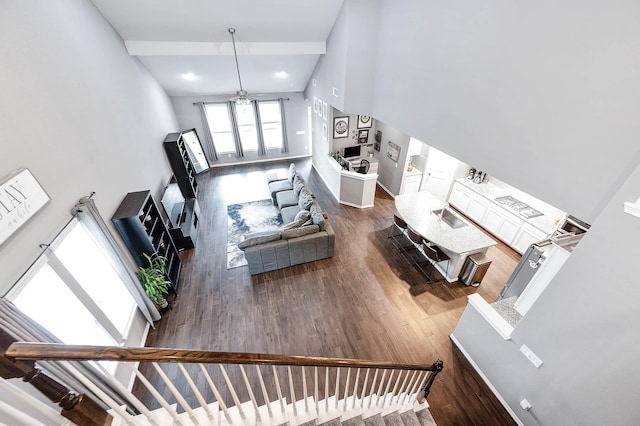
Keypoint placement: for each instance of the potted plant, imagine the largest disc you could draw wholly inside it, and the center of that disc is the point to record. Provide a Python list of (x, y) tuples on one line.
[(154, 280)]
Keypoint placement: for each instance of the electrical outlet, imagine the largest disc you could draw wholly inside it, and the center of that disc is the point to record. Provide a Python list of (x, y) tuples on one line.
[(531, 356)]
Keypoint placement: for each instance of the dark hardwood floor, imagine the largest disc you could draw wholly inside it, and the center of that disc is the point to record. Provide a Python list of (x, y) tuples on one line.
[(366, 302)]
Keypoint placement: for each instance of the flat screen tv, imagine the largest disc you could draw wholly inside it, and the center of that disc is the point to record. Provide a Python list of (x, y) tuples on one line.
[(352, 151)]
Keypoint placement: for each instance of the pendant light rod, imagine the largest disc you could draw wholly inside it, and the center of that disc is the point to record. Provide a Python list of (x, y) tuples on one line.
[(232, 31)]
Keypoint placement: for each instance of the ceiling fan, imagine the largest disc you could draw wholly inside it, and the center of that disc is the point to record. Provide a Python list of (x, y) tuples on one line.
[(242, 96)]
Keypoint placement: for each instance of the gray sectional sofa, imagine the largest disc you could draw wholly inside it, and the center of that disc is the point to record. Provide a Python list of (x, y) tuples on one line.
[(306, 235)]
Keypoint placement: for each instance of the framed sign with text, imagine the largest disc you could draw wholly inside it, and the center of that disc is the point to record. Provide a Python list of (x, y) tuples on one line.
[(21, 197)]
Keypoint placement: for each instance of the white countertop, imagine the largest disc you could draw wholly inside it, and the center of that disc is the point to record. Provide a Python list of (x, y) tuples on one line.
[(416, 209), (547, 223)]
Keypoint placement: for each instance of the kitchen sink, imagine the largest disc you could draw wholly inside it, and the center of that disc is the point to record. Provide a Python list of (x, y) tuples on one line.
[(450, 218)]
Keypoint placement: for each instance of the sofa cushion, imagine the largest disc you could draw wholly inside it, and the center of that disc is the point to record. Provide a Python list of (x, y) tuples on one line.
[(278, 186), (299, 232), (305, 199), (286, 199), (299, 220), (258, 238)]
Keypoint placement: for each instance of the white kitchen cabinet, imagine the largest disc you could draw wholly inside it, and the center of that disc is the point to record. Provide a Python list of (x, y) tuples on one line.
[(527, 235), (477, 207), (501, 223), (412, 183), (460, 197)]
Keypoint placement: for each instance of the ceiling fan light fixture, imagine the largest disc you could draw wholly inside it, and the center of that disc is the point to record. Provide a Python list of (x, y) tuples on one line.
[(242, 101)]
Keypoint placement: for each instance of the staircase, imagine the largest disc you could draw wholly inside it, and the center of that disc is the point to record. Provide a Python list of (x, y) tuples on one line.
[(222, 388)]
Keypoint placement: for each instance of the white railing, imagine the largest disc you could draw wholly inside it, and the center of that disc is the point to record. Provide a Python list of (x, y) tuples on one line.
[(220, 390)]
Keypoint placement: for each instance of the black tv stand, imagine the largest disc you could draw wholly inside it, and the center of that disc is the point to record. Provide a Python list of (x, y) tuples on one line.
[(183, 214)]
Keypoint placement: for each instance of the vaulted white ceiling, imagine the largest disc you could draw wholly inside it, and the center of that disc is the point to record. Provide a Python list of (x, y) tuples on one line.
[(174, 38)]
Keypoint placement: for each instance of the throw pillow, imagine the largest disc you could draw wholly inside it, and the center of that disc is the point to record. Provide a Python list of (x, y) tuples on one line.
[(291, 173), (301, 217), (258, 238), (298, 184), (299, 232), (317, 216), (304, 199)]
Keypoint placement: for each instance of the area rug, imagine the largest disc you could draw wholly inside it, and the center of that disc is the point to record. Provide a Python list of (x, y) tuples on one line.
[(246, 218)]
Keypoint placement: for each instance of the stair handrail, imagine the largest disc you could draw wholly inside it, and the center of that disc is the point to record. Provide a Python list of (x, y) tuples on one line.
[(57, 351)]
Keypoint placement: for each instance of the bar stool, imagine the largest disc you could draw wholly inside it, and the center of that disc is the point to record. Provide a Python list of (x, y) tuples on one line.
[(435, 254), (401, 226), (420, 258)]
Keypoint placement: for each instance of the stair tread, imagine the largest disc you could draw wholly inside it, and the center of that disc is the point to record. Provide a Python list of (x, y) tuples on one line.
[(393, 419), (333, 422), (374, 421), (426, 419), (409, 418), (355, 421)]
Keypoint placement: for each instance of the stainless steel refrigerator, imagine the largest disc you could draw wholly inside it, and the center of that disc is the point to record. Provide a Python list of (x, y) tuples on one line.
[(525, 269)]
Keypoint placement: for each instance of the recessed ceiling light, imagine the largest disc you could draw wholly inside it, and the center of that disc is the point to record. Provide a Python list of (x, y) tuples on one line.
[(281, 74), (189, 76)]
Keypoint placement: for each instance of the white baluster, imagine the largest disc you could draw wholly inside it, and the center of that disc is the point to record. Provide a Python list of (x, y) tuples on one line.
[(196, 392), (125, 392), (13, 416), (386, 390), (315, 387), (183, 402), (293, 394), (373, 384), (337, 386), (304, 390), (422, 385), (264, 391), (283, 408), (250, 391), (216, 393), (406, 391), (364, 388), (346, 389), (326, 389), (395, 389), (416, 387), (163, 402), (384, 373), (232, 391), (355, 388)]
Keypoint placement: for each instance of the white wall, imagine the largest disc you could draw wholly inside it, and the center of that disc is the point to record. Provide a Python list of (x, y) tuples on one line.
[(78, 112), (390, 172), (295, 110), (550, 87)]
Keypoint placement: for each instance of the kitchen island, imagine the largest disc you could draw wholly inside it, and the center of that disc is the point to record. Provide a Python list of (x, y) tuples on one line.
[(456, 236)]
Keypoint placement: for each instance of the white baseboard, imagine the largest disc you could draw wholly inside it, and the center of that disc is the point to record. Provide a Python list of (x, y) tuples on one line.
[(336, 197), (386, 190), (264, 160), (486, 380)]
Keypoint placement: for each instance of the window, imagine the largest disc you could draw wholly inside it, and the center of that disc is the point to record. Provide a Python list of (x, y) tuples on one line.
[(220, 126), (272, 126), (74, 292), (246, 117), (271, 122)]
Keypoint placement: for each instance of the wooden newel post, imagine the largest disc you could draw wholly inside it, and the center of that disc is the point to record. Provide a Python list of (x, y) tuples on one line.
[(438, 366), (78, 408)]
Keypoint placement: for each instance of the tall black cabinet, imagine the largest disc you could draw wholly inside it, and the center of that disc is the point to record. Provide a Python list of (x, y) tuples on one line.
[(183, 170), (143, 231)]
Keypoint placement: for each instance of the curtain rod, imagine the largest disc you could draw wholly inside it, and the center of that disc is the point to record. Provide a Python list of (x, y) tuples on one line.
[(261, 100)]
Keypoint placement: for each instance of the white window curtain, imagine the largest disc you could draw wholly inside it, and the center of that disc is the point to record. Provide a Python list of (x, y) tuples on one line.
[(87, 213), (208, 139)]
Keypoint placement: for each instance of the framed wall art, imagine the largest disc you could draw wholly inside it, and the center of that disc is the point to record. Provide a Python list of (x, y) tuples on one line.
[(364, 121), (363, 136), (393, 151), (340, 127), (21, 197), (325, 111), (378, 140), (325, 131), (315, 104)]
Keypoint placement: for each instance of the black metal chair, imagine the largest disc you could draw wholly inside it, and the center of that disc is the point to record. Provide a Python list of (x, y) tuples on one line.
[(398, 231), (435, 254), (363, 167), (419, 258)]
